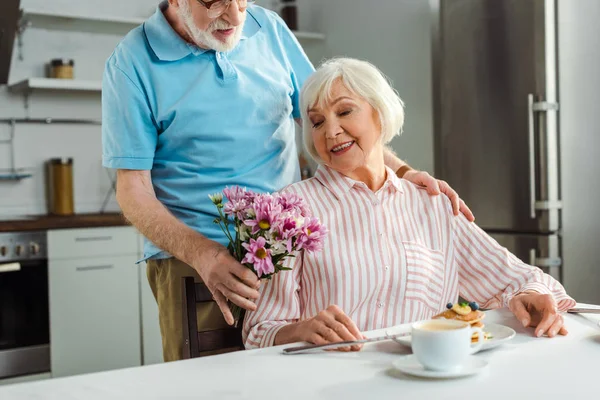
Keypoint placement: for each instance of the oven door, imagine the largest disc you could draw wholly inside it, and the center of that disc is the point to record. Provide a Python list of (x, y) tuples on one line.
[(24, 320)]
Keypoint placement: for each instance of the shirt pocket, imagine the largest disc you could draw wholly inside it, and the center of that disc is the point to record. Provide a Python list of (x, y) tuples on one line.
[(424, 275)]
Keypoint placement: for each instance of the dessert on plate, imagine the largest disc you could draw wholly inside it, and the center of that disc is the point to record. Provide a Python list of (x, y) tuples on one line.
[(468, 312)]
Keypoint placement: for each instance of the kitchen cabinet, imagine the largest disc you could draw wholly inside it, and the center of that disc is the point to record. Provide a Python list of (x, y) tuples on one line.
[(94, 300)]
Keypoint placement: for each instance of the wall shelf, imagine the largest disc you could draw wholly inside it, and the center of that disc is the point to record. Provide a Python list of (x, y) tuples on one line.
[(30, 84), (32, 14), (14, 176), (301, 35), (50, 19)]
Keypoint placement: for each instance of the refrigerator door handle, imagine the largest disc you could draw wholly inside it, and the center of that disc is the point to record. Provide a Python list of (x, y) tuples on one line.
[(543, 262), (531, 132), (532, 107)]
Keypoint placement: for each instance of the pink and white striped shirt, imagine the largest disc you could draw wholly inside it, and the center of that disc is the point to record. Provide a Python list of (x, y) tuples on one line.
[(394, 256)]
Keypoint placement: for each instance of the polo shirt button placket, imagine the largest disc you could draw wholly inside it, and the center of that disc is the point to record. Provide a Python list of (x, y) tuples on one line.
[(226, 66)]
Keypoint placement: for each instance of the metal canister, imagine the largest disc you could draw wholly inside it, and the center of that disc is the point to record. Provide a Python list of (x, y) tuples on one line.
[(60, 186)]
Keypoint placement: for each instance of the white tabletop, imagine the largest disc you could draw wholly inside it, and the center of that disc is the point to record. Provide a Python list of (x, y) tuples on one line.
[(565, 368)]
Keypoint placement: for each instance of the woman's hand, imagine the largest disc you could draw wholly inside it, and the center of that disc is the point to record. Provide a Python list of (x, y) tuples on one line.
[(539, 311), (434, 187), (329, 326)]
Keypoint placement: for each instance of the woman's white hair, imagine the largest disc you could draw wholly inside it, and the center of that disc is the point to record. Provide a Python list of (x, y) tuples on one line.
[(361, 78)]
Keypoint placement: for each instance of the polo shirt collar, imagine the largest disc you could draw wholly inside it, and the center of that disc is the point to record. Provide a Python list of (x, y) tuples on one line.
[(340, 184), (169, 46)]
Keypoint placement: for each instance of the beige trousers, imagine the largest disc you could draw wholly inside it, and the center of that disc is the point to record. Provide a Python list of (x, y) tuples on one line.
[(165, 278)]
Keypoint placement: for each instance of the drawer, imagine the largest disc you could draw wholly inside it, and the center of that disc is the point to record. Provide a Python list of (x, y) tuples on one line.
[(92, 242)]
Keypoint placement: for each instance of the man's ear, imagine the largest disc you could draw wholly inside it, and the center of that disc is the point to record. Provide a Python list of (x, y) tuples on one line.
[(174, 3)]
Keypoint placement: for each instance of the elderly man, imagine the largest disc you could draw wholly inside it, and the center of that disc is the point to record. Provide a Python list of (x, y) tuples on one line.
[(204, 95)]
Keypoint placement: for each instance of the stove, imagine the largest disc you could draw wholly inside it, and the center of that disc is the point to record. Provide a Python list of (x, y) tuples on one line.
[(23, 246), (24, 304)]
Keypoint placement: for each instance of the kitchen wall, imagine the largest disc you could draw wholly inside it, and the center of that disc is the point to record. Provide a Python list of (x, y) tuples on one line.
[(394, 35), (37, 143)]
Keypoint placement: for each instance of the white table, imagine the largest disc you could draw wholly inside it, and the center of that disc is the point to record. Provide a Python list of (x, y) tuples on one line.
[(565, 368)]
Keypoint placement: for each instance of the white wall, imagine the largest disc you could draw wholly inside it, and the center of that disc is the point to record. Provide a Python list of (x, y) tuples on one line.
[(394, 35)]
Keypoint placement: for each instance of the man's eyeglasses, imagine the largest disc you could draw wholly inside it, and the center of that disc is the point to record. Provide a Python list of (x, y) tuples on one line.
[(216, 8)]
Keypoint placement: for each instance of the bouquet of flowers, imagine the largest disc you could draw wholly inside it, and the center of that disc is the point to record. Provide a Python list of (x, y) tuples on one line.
[(267, 229)]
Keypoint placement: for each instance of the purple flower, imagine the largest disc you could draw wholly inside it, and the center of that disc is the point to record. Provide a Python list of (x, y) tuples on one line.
[(291, 202), (259, 256), (234, 193), (312, 236), (266, 209), (237, 208), (250, 196), (285, 229)]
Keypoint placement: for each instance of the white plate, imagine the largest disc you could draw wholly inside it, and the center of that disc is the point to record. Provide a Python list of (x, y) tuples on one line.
[(410, 366), (500, 335)]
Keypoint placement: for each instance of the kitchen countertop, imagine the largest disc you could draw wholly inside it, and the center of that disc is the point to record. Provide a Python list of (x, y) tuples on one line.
[(45, 222), (564, 367)]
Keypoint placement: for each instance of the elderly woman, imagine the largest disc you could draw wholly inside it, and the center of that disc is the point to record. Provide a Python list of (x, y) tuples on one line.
[(373, 273)]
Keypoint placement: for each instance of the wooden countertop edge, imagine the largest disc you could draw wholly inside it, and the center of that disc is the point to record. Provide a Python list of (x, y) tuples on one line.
[(47, 222)]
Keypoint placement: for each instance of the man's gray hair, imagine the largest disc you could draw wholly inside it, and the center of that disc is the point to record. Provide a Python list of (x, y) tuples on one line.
[(361, 78)]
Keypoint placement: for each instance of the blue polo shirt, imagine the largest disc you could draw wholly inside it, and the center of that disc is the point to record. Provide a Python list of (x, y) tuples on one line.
[(202, 120)]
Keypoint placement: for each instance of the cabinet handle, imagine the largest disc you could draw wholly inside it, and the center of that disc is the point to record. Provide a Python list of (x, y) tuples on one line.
[(94, 267), (93, 238), (10, 267)]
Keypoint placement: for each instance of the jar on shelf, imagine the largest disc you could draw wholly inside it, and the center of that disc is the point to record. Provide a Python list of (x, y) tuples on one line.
[(62, 68)]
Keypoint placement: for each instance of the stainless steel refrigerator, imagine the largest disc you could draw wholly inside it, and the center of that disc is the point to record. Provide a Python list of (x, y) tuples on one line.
[(497, 127)]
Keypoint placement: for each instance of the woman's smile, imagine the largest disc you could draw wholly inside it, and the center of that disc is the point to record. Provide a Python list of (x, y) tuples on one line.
[(342, 148)]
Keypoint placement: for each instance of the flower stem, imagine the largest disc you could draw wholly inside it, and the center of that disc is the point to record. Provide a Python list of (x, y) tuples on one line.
[(238, 242), (236, 311)]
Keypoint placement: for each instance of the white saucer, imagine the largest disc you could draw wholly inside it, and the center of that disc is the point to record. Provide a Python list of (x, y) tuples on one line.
[(500, 335), (410, 366)]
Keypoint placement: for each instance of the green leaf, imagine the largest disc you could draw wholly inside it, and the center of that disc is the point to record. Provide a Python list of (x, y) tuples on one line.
[(277, 259)]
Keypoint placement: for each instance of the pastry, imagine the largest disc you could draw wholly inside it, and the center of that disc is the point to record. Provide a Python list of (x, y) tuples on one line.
[(467, 312)]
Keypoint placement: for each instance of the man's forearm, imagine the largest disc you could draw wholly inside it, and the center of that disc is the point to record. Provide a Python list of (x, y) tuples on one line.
[(157, 224), (392, 161)]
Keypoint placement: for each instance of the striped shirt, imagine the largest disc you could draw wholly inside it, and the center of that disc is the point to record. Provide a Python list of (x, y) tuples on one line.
[(393, 256)]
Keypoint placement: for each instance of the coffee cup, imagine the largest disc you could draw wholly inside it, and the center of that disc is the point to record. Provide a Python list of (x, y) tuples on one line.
[(442, 344)]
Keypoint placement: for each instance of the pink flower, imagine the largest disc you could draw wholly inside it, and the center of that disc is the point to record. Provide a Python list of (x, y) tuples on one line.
[(285, 229), (250, 196), (312, 236), (259, 256), (291, 202), (234, 193), (237, 208), (266, 209)]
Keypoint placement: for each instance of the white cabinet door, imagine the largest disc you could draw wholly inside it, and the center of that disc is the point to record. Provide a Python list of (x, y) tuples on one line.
[(151, 338), (94, 314)]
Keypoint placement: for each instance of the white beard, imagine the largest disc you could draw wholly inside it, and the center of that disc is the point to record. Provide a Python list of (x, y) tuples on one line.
[(205, 39)]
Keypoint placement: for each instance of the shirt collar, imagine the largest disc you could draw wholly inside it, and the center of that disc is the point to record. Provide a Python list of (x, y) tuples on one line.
[(340, 185), (169, 46)]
